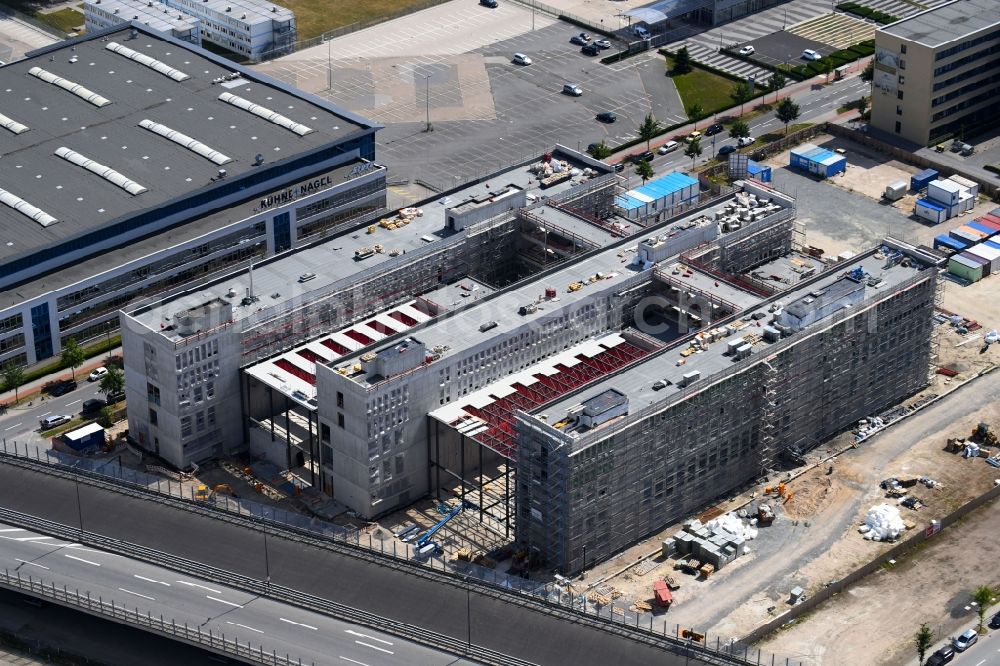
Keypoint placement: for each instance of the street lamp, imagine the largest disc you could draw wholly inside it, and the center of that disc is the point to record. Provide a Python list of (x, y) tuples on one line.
[(329, 64), (427, 100)]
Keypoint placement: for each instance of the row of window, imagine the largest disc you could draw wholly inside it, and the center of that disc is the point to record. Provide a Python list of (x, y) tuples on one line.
[(975, 71), (967, 44), (972, 57)]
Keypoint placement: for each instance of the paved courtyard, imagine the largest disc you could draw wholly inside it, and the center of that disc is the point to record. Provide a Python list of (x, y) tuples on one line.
[(18, 37)]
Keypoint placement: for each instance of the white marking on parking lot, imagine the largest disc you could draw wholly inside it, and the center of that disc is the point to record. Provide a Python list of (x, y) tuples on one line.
[(137, 594), (80, 559), (12, 529), (223, 601), (68, 404), (374, 647), (307, 626), (189, 584), (12, 427), (33, 538), (31, 563), (983, 661), (371, 638), (353, 661), (158, 582), (237, 624)]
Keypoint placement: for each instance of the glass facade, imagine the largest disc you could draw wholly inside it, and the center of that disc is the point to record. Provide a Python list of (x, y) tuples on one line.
[(41, 330), (282, 232)]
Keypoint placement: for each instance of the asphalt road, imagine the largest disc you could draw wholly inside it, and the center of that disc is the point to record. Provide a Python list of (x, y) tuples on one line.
[(275, 626), (21, 424), (499, 624)]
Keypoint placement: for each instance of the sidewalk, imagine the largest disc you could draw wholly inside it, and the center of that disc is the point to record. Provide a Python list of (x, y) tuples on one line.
[(34, 388)]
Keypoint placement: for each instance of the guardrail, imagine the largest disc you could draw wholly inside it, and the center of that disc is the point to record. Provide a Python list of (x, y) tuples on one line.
[(487, 582), (148, 622)]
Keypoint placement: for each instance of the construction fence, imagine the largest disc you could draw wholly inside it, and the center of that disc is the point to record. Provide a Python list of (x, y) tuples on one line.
[(896, 552)]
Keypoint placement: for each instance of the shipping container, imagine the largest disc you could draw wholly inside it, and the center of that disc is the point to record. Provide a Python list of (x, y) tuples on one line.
[(944, 192), (946, 243), (87, 437), (983, 263), (979, 226), (994, 227), (969, 232), (970, 185), (930, 211), (816, 160), (759, 172), (965, 268), (970, 237), (658, 196), (991, 254), (991, 218), (922, 179)]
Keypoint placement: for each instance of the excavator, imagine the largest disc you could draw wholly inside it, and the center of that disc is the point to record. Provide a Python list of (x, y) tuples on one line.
[(204, 493), (983, 435)]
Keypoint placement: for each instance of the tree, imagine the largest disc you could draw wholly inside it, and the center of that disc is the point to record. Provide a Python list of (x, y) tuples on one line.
[(13, 377), (776, 83), (644, 170), (72, 356), (827, 65), (693, 151), (107, 417), (739, 130), (863, 108), (682, 61), (649, 128), (923, 640), (696, 112), (787, 112), (868, 73), (983, 596), (741, 94), (113, 383), (600, 151)]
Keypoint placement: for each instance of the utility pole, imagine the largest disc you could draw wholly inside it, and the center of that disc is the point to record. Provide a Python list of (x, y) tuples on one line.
[(329, 64), (427, 100)]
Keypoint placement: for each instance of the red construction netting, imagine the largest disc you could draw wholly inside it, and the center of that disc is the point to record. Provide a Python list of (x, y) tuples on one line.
[(310, 355), (403, 318), (335, 346), (293, 369), (358, 336)]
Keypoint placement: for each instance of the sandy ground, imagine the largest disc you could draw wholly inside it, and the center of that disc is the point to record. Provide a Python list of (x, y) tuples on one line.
[(944, 572)]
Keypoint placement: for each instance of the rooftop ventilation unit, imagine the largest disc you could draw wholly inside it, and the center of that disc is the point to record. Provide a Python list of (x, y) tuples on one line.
[(152, 63), (107, 173), (12, 125), (193, 145), (69, 86), (265, 113), (25, 208)]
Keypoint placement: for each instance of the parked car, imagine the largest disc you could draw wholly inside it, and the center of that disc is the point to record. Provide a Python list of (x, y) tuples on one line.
[(995, 621), (661, 384), (62, 387), (725, 150), (618, 167), (50, 422), (809, 54), (112, 398), (714, 128), (641, 32), (941, 657), (603, 43), (97, 374), (606, 117), (591, 50), (92, 405), (581, 39), (572, 89), (668, 147), (492, 4), (745, 141), (747, 50), (645, 156), (966, 640), (692, 136), (521, 59)]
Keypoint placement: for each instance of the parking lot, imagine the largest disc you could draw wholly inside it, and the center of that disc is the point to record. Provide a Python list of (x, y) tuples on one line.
[(18, 37)]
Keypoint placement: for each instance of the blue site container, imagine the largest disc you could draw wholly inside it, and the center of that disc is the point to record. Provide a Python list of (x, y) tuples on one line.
[(946, 243), (760, 172), (816, 160), (922, 179), (975, 224)]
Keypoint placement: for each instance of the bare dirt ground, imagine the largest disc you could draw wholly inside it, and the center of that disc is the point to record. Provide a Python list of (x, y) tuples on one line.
[(944, 572)]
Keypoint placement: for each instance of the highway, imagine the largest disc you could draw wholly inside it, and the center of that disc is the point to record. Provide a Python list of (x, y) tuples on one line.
[(276, 627), (505, 624)]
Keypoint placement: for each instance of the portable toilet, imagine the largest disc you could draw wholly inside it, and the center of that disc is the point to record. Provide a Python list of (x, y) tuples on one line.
[(921, 180), (930, 211), (965, 268)]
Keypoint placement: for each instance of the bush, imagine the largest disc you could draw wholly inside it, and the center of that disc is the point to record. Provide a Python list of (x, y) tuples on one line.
[(866, 12)]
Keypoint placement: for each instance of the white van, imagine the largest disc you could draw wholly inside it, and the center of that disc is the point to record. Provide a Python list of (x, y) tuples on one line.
[(669, 146)]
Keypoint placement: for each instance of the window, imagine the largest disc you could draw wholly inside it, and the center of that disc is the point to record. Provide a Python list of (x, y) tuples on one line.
[(899, 127), (185, 426), (324, 432), (340, 420), (902, 79), (899, 94), (902, 64), (902, 48), (153, 420), (340, 399)]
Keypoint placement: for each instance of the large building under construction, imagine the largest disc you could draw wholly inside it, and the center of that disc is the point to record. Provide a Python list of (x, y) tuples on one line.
[(574, 377)]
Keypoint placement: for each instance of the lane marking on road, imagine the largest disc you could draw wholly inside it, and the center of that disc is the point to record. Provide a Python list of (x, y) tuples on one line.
[(34, 564), (13, 426), (33, 538), (307, 626), (189, 584), (223, 601), (371, 638), (983, 661), (158, 582), (45, 414), (12, 529), (237, 624), (374, 647), (144, 596), (69, 404), (80, 559), (353, 661)]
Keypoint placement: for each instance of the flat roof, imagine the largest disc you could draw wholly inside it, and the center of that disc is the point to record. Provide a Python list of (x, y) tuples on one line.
[(156, 15), (946, 23), (636, 382), (276, 281), (255, 10), (82, 199)]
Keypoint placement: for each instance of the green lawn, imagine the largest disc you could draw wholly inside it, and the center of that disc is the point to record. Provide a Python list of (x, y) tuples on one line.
[(702, 87), (314, 17), (66, 19)]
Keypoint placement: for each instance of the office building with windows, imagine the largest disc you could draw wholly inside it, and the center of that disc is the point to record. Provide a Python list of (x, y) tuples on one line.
[(255, 29), (135, 164), (937, 73), (101, 14)]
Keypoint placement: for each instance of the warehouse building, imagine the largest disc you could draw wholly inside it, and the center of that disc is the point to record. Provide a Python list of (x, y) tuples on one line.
[(180, 163), (937, 73)]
